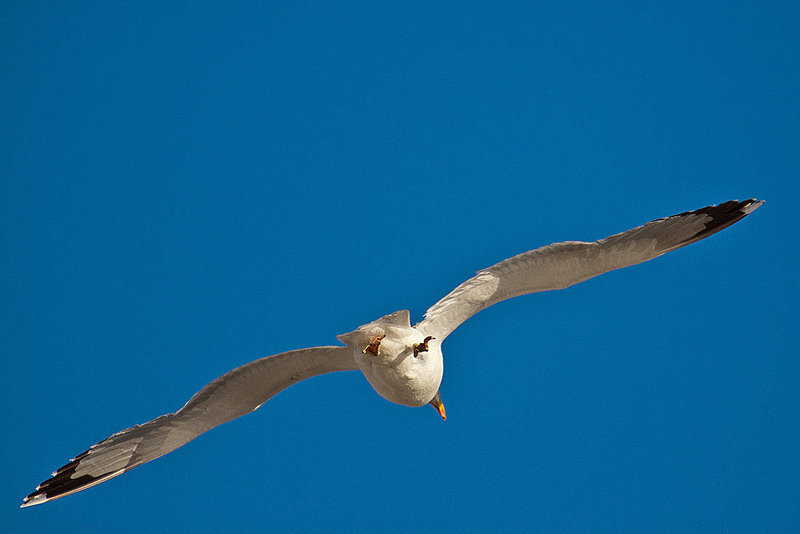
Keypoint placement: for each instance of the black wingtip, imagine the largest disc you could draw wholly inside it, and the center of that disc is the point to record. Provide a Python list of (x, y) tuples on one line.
[(61, 483), (723, 215)]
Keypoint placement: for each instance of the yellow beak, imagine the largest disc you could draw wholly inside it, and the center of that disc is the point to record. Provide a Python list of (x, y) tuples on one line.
[(437, 403)]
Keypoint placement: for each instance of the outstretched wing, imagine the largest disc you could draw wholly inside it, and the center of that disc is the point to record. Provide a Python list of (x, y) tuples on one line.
[(234, 394), (561, 265)]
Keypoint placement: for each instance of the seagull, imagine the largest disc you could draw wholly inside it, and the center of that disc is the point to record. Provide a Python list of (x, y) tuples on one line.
[(403, 363)]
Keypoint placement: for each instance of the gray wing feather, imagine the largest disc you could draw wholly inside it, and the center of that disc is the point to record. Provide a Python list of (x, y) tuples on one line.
[(232, 395), (561, 265)]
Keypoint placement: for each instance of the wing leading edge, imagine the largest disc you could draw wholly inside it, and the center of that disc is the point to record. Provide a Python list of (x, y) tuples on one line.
[(232, 395), (561, 265)]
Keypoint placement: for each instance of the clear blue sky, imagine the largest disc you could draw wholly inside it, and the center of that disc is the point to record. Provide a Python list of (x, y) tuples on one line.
[(188, 188)]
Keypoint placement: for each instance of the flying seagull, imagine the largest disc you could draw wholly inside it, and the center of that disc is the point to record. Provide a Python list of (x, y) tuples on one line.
[(403, 363)]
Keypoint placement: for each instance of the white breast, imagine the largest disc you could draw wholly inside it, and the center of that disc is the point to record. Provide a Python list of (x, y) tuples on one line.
[(395, 373), (400, 377)]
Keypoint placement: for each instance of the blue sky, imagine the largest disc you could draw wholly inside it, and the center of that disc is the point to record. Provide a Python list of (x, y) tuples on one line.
[(189, 188)]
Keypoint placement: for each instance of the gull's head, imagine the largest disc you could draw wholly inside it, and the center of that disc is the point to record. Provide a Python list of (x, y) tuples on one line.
[(402, 363)]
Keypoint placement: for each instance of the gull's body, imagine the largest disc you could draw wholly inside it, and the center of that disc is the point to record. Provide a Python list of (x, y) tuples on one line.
[(403, 363), (395, 373)]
